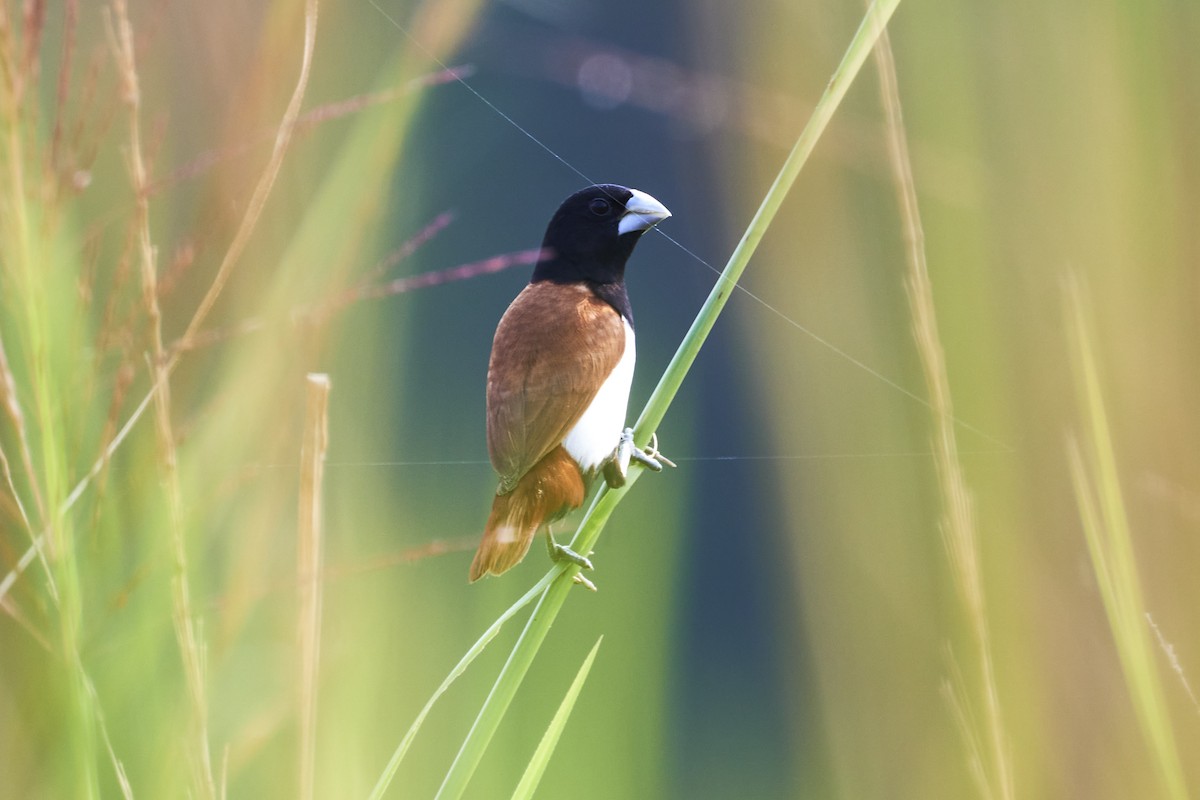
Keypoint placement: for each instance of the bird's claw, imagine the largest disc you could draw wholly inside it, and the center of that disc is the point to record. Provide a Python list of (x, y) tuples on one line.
[(560, 552), (616, 471), (653, 455)]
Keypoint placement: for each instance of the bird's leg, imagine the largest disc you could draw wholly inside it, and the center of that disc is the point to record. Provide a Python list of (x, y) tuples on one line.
[(560, 552), (616, 469)]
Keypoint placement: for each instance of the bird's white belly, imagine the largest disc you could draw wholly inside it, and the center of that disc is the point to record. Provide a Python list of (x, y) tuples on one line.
[(595, 436)]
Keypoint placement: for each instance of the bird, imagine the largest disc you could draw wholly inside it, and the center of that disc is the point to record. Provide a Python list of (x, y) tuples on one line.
[(560, 372)]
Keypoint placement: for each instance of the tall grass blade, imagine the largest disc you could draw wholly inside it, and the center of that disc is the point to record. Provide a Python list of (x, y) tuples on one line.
[(545, 749), (389, 772), (309, 561), (191, 649), (1094, 473), (988, 744), (660, 400)]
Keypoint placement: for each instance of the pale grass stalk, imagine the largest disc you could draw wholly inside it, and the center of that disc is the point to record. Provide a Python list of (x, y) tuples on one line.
[(31, 271), (308, 569), (12, 407), (223, 787), (266, 182), (102, 725), (97, 467), (958, 521), (35, 551), (18, 213), (8, 399), (6, 468), (1110, 544), (248, 223), (186, 625), (954, 693), (123, 47), (25, 261)]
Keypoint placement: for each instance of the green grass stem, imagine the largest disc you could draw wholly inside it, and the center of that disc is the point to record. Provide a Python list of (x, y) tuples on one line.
[(541, 757), (393, 764), (660, 400)]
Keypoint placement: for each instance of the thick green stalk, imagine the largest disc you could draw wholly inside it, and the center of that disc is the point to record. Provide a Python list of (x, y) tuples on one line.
[(660, 400)]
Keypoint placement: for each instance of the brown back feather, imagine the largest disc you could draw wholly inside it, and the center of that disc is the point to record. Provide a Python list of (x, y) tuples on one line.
[(559, 343)]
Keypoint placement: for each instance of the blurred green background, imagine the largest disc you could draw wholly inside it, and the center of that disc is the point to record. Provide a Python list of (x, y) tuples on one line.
[(779, 613)]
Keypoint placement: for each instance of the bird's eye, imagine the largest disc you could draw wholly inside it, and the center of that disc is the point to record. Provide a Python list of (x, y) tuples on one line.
[(599, 206)]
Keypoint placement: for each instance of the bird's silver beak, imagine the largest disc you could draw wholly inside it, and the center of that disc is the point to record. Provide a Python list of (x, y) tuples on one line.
[(642, 212)]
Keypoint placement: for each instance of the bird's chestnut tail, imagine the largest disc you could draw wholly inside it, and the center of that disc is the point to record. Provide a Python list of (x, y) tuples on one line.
[(553, 487)]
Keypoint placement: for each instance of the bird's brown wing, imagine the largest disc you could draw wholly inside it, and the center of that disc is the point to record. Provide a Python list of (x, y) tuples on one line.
[(554, 348)]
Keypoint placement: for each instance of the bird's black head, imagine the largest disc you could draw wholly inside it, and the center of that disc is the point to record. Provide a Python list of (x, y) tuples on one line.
[(593, 232)]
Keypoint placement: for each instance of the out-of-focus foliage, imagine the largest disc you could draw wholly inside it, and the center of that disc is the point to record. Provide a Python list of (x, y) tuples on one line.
[(780, 615)]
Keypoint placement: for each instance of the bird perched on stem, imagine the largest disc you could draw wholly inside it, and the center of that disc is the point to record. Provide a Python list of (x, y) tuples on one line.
[(559, 375)]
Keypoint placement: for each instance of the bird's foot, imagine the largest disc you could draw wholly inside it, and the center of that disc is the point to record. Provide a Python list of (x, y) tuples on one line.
[(656, 458), (560, 552), (616, 470)]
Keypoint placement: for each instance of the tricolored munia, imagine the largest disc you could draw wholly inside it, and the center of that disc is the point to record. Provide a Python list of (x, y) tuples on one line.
[(560, 372)]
